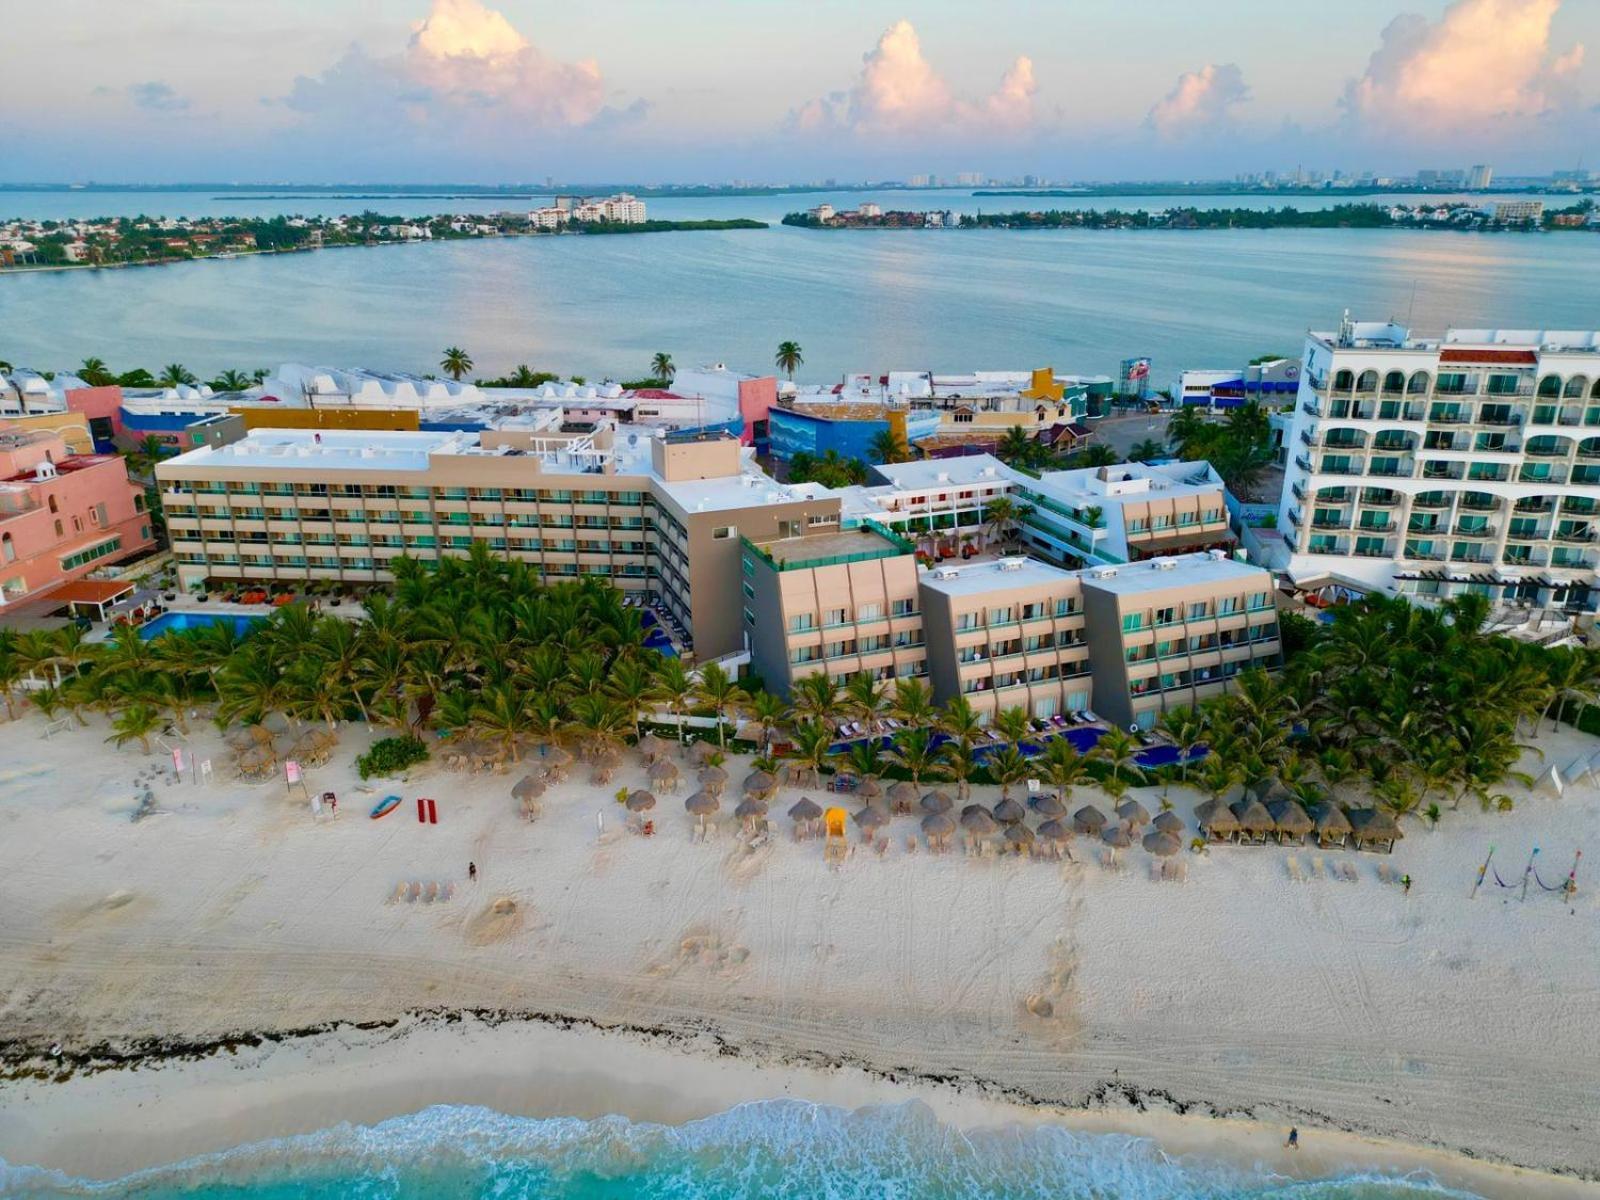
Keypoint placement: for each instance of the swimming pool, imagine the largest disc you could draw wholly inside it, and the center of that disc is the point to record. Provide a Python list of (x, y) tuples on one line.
[(175, 622)]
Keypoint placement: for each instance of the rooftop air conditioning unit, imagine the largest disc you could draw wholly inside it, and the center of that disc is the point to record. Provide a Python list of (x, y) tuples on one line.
[(1164, 564), (1012, 564), (943, 476), (1218, 555), (987, 473), (1106, 573), (947, 573)]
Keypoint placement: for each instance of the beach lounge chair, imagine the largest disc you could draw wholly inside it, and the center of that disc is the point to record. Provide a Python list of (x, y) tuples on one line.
[(1347, 872), (1316, 867), (1293, 864), (1088, 715), (1384, 874)]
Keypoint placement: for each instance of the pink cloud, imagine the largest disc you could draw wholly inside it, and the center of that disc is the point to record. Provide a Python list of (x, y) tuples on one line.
[(1199, 100)]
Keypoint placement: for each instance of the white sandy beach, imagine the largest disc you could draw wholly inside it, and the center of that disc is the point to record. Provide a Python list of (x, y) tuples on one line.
[(1453, 1024)]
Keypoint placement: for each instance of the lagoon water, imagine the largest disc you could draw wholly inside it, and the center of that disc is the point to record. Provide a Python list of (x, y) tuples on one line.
[(776, 1150), (855, 300)]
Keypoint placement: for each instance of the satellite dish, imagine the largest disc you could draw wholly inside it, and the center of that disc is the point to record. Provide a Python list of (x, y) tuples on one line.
[(1133, 727)]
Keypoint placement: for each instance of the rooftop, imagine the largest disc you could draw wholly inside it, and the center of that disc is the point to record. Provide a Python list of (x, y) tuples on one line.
[(996, 575), (1158, 574), (1386, 335), (971, 470), (1125, 481), (828, 549)]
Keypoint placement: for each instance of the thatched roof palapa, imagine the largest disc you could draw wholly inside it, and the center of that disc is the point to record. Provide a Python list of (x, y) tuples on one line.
[(1289, 817), (1217, 817), (937, 802), (869, 788), (1117, 837), (750, 807), (872, 817), (1162, 845), (903, 794), (758, 782), (640, 801), (702, 804), (530, 786), (1133, 813), (938, 825), (1252, 816), (1055, 830), (976, 819), (1009, 812), (1089, 819), (651, 746), (805, 809), (1048, 806), (1019, 835), (1374, 825), (1169, 822), (1330, 819)]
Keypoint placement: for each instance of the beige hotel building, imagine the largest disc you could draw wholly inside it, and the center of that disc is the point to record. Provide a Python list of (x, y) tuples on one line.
[(745, 563)]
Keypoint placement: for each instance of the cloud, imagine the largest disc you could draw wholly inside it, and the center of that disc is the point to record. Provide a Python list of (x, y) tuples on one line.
[(899, 92), (1202, 99), (466, 71), (1482, 60), (153, 96)]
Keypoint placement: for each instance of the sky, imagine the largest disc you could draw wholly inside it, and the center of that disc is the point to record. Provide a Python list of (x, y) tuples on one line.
[(509, 91)]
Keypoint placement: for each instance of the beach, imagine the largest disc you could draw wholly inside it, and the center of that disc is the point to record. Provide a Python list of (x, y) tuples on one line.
[(590, 970)]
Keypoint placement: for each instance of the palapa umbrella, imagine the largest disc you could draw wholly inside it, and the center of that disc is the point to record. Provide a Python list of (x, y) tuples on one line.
[(1216, 818), (640, 801), (1290, 818), (1133, 813), (938, 825), (1162, 845), (750, 808), (975, 819), (805, 809), (1019, 835), (713, 778), (702, 804), (664, 773), (1252, 816), (937, 802), (607, 756), (871, 817), (1047, 805), (651, 746), (1117, 837), (558, 756), (530, 786), (759, 783), (1055, 830), (1169, 822), (700, 753), (903, 795), (1331, 821), (869, 789), (1009, 812), (1371, 825), (1088, 819)]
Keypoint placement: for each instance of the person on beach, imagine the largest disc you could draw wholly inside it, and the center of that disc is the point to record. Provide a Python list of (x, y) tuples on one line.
[(1294, 1139), (1405, 885), (472, 871)]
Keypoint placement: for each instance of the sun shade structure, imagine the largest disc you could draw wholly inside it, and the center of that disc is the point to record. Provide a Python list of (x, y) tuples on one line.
[(530, 786), (713, 778), (869, 789), (651, 746), (1255, 822), (805, 809), (903, 795), (1117, 837), (759, 783), (97, 594), (1333, 827), (975, 819), (1374, 830), (1216, 820), (1055, 830), (702, 804), (749, 808), (938, 825), (1048, 806), (1009, 812), (1162, 845), (640, 801), (1169, 822), (1088, 819), (937, 802), (700, 753), (1133, 813), (1290, 820), (1019, 835)]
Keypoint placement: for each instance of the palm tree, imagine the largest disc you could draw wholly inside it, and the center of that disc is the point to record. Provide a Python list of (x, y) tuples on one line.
[(95, 374), (864, 758), (231, 381), (1146, 451), (1216, 775), (768, 711), (816, 698), (599, 720), (175, 375), (809, 747), (662, 368), (142, 459), (501, 715), (1013, 724), (1117, 748), (674, 688), (999, 517), (1098, 456), (1573, 675), (138, 721), (11, 674), (1015, 446), (630, 683), (888, 446), (718, 691), (962, 722), (913, 704), (916, 751), (456, 362), (788, 358), (1007, 766), (865, 698), (1186, 731)]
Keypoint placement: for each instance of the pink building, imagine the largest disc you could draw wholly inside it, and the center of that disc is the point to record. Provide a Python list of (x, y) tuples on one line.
[(756, 398), (62, 514), (102, 407)]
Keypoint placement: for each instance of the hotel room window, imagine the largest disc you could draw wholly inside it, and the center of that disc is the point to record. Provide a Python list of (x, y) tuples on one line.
[(1198, 610)]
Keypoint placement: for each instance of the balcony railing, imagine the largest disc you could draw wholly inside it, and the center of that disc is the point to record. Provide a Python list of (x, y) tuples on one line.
[(1472, 531), (1540, 505)]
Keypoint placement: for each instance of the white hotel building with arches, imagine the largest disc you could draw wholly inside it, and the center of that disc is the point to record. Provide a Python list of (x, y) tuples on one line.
[(1433, 467)]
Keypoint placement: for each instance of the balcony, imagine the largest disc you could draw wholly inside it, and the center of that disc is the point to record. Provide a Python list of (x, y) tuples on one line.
[(1380, 498), (1423, 555), (1430, 500), (1535, 504), (1478, 502), (1325, 523), (1575, 536), (1426, 530), (1527, 535), (1473, 531)]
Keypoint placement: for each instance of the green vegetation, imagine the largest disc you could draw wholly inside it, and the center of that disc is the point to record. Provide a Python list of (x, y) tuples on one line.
[(1239, 446), (829, 469), (788, 358), (392, 755), (522, 376), (662, 226), (662, 367), (455, 363)]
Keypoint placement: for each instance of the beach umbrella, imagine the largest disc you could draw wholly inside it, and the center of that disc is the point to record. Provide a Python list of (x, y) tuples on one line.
[(640, 801), (750, 808), (805, 809), (869, 788), (1162, 845), (1019, 835), (1117, 837), (700, 753), (651, 746), (1331, 821), (1088, 819), (1055, 830), (1009, 812), (702, 804), (1371, 825), (872, 817), (938, 825), (607, 756), (1252, 816), (1133, 813), (759, 782), (1048, 806), (713, 778), (1169, 822), (529, 786), (903, 795), (975, 819), (1290, 818), (937, 802), (1216, 818), (558, 755)]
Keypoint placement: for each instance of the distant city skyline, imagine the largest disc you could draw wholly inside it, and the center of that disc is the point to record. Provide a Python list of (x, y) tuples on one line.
[(712, 90)]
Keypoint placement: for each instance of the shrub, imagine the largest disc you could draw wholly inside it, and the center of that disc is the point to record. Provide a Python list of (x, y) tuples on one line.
[(391, 755)]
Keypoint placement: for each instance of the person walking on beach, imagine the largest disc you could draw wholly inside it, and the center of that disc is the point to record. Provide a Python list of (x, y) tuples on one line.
[(1405, 885), (1294, 1139), (472, 871)]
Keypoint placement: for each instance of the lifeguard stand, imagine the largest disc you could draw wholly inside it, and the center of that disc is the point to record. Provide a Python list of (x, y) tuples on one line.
[(834, 846)]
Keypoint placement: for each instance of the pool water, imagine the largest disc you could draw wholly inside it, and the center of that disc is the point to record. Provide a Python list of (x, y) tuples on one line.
[(176, 622)]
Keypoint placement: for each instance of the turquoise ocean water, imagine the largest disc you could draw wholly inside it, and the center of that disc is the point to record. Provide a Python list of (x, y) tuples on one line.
[(781, 1149)]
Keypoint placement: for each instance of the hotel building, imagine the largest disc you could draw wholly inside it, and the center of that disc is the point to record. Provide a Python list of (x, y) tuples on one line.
[(1435, 467)]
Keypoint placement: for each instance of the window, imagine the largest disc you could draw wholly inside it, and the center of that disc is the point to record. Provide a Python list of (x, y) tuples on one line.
[(83, 557), (8, 549), (835, 616), (869, 612), (1132, 621), (53, 506), (58, 528), (749, 592), (722, 532), (748, 567), (749, 617), (1226, 605), (904, 608), (1198, 610), (802, 622), (1166, 616)]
